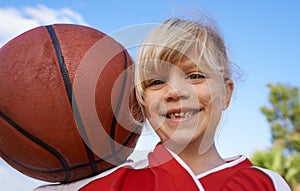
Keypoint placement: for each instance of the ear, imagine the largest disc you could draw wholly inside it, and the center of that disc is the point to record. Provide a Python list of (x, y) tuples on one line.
[(229, 86)]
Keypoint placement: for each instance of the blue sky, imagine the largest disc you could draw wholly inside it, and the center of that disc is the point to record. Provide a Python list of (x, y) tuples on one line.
[(263, 38)]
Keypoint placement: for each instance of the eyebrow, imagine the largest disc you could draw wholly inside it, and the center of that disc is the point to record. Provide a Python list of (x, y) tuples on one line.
[(189, 64)]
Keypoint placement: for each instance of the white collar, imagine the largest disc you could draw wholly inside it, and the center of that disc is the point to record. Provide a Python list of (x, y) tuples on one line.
[(230, 162)]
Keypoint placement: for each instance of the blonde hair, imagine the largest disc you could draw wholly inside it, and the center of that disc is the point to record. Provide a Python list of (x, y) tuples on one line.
[(169, 42)]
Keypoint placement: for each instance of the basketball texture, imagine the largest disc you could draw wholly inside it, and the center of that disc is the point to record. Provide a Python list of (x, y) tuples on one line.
[(65, 103)]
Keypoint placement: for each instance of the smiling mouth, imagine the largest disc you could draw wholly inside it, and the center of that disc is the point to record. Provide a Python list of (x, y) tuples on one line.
[(182, 114)]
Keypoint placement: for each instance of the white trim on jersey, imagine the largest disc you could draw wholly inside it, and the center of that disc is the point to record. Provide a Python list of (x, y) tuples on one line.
[(278, 181), (188, 169), (234, 161)]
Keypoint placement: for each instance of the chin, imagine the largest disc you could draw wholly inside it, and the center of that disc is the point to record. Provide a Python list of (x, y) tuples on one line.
[(178, 142)]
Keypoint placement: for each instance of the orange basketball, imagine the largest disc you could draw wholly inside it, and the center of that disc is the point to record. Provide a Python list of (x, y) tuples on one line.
[(65, 103)]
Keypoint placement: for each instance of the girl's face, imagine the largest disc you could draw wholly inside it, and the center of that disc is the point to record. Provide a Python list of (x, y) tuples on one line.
[(184, 102)]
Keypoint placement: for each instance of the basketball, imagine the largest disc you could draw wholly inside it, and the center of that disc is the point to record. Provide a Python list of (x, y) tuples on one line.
[(66, 100)]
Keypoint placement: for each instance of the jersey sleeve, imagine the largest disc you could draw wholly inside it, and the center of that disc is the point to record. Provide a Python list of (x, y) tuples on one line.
[(278, 181), (252, 179)]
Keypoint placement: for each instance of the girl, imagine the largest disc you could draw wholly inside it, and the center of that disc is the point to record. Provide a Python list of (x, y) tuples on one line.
[(183, 84)]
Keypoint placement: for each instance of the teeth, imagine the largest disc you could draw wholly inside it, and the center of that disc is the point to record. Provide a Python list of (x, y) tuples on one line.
[(181, 114)]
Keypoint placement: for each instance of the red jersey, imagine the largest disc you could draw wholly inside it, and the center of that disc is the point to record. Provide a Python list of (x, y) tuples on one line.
[(166, 171)]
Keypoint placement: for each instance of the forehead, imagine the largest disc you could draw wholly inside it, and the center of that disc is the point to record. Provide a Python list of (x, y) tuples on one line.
[(185, 59), (185, 65), (188, 64)]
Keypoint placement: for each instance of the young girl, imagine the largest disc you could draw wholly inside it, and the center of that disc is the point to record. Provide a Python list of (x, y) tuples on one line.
[(183, 84)]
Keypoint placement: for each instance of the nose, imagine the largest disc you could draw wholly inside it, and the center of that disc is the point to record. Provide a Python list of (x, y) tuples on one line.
[(176, 91)]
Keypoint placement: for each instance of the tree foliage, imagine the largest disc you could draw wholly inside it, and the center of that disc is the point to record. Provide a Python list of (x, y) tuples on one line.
[(283, 115)]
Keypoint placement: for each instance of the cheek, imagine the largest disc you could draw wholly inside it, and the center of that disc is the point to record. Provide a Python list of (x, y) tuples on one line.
[(147, 101), (211, 93), (154, 107), (152, 104), (203, 94)]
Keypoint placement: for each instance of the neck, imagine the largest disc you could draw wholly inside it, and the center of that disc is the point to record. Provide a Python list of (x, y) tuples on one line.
[(200, 160)]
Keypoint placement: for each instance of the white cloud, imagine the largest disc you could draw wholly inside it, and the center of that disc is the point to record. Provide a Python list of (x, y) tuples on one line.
[(15, 21)]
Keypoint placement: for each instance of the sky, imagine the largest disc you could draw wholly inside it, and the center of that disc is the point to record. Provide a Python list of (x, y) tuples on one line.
[(262, 36)]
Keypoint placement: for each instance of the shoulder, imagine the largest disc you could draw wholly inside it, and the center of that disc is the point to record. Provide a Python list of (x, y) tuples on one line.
[(278, 181), (254, 178), (239, 174)]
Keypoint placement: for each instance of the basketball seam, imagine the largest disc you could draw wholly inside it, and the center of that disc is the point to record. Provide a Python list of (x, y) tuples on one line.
[(51, 150), (68, 86), (35, 140), (116, 114), (61, 62), (137, 127), (114, 121)]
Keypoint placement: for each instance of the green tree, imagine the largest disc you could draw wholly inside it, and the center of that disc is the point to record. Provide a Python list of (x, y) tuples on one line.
[(283, 115)]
